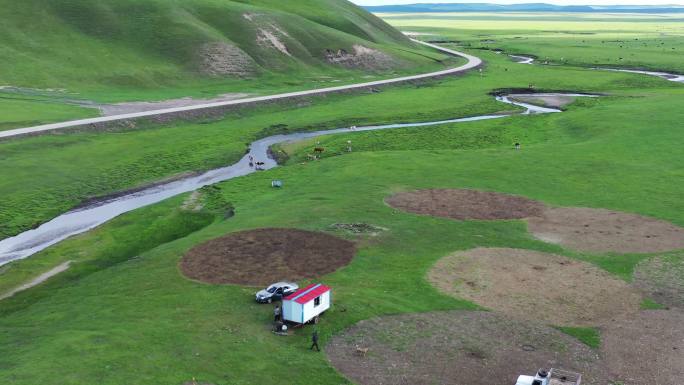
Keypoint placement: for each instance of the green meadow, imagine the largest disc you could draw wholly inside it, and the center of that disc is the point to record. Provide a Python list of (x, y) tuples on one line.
[(26, 111), (107, 51), (51, 166), (603, 40), (123, 313)]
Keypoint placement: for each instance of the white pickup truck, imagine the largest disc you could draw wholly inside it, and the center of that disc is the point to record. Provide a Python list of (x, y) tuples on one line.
[(551, 377)]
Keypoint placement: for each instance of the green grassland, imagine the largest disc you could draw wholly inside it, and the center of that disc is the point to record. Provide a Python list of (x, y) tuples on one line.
[(98, 327), (124, 313), (589, 336), (131, 50), (26, 111), (52, 166), (630, 41)]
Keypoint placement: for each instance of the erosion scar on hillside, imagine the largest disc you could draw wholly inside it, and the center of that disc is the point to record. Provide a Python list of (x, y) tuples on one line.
[(263, 256)]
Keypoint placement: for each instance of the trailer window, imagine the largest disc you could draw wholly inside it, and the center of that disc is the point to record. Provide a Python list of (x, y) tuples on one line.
[(317, 301)]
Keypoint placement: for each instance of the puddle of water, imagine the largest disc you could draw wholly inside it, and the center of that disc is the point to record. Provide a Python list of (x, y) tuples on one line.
[(412, 34), (81, 220)]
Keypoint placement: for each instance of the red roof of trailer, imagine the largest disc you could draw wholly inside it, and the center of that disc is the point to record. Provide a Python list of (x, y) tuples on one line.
[(308, 293)]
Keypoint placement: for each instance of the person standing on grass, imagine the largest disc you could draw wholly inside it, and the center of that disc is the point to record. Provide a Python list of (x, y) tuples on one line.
[(314, 341), (276, 314)]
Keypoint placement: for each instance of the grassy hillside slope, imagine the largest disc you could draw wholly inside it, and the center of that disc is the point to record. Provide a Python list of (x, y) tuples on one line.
[(91, 45)]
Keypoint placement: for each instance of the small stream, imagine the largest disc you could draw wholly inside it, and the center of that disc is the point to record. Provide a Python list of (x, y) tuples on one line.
[(520, 59), (83, 219), (665, 75)]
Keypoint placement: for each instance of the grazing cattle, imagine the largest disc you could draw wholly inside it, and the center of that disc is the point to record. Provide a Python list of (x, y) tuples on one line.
[(319, 150), (361, 351)]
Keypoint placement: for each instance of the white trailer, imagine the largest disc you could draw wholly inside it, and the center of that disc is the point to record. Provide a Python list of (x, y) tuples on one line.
[(307, 304)]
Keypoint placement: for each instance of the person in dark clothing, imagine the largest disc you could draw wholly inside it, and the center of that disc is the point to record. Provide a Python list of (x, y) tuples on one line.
[(277, 314), (314, 341)]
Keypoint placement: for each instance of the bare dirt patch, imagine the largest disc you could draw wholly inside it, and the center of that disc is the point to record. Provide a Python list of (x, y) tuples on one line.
[(535, 286), (263, 256), (361, 58), (466, 204), (662, 279), (459, 347), (132, 107), (223, 59), (599, 230), (358, 228), (646, 349), (269, 38), (269, 34)]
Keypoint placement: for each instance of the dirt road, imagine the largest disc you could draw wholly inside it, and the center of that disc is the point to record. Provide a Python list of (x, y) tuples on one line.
[(473, 62)]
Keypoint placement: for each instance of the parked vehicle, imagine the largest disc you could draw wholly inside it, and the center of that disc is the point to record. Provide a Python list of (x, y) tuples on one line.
[(307, 304), (551, 377), (276, 292)]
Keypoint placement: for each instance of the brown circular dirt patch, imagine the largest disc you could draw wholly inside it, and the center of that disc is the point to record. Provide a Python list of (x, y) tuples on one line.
[(535, 286), (264, 256), (599, 230), (466, 204), (647, 349), (459, 348), (662, 278)]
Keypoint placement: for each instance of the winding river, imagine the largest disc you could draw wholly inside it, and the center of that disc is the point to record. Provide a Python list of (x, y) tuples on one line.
[(665, 75), (83, 219), (520, 59)]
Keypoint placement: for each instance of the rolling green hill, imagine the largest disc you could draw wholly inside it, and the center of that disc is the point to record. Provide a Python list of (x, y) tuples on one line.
[(96, 45)]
